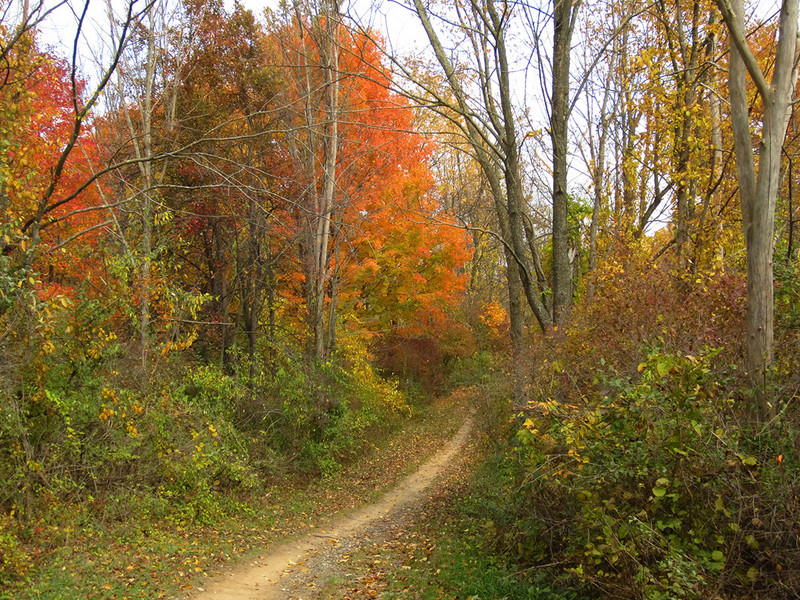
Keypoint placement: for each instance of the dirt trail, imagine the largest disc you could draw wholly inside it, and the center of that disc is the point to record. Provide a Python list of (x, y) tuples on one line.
[(294, 569)]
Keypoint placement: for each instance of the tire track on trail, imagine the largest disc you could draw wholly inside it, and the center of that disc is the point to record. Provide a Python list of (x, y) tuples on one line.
[(292, 569)]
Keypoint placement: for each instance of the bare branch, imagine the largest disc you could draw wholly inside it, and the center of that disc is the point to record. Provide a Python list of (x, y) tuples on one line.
[(735, 24)]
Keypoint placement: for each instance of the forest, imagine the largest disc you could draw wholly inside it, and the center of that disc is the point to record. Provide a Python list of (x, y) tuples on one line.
[(251, 259)]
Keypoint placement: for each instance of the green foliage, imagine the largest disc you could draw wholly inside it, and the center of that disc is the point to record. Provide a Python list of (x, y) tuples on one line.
[(133, 543), (212, 391), (787, 327), (459, 568), (477, 369), (328, 411), (453, 546), (79, 429), (482, 549), (655, 489)]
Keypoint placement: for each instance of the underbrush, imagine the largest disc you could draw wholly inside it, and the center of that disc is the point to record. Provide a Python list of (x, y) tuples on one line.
[(638, 304), (139, 555), (654, 486), (468, 561), (456, 568), (82, 448)]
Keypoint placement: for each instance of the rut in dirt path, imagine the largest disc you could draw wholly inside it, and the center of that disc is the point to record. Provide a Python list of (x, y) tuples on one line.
[(294, 569)]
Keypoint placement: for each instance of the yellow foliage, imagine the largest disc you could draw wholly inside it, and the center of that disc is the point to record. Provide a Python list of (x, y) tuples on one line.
[(494, 316), (358, 358)]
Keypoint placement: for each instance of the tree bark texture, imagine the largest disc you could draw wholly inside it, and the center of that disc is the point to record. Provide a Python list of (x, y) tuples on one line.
[(758, 189), (563, 24)]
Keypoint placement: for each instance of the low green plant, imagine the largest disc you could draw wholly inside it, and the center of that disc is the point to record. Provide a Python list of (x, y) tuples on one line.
[(787, 293), (656, 489), (461, 569), (452, 552), (325, 412)]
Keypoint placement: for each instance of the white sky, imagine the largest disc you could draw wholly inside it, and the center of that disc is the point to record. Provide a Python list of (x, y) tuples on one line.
[(399, 25)]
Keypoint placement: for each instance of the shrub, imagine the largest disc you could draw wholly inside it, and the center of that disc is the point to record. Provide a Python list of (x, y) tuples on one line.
[(638, 302), (656, 489), (14, 560), (325, 412)]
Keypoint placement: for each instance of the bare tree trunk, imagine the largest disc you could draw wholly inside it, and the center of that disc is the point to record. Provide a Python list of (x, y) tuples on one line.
[(252, 296), (517, 325), (220, 293), (683, 44), (758, 190), (716, 155), (598, 162), (330, 338), (563, 22), (142, 135), (598, 181), (146, 208), (329, 55), (515, 197), (494, 137), (320, 186), (273, 363), (625, 205)]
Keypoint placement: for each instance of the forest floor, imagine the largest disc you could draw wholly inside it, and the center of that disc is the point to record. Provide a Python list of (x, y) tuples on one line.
[(327, 561)]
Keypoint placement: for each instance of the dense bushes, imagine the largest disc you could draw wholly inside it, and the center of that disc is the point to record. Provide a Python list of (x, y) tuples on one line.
[(636, 468), (637, 303), (323, 414), (84, 442), (655, 489)]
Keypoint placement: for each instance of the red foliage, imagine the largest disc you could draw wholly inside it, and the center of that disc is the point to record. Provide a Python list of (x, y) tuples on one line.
[(44, 121), (639, 305)]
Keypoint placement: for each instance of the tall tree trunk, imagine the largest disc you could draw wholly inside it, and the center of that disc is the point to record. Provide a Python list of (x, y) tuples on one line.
[(683, 44), (758, 190), (515, 197), (330, 336), (320, 186), (149, 99), (598, 156), (495, 140), (563, 23), (146, 168), (329, 52), (252, 287), (707, 232), (598, 181), (625, 206), (517, 324), (220, 293), (272, 331)]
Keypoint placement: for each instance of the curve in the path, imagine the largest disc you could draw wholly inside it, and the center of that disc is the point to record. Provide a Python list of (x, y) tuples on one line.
[(262, 579)]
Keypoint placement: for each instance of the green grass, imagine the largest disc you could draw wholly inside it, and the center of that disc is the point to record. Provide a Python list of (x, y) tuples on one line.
[(457, 568)]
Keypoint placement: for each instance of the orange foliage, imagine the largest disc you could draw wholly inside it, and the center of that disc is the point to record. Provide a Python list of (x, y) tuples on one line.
[(44, 119), (399, 261)]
